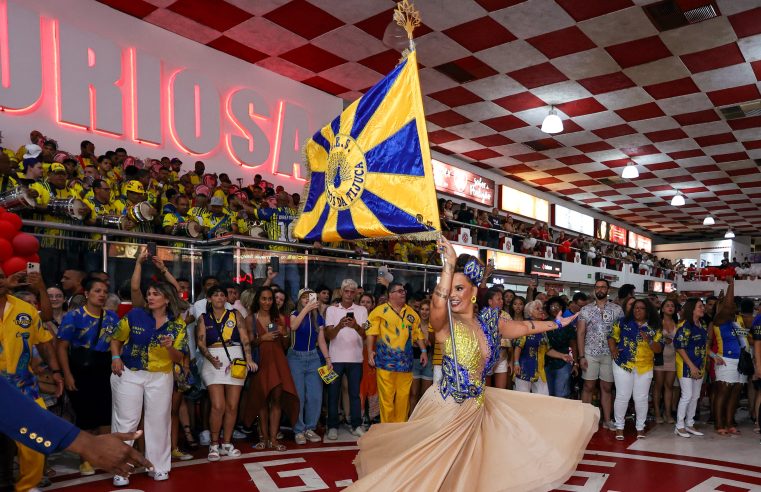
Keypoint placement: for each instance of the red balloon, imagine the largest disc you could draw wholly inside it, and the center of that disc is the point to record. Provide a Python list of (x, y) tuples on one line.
[(25, 244), (7, 230), (33, 258), (14, 220), (6, 249), (13, 265)]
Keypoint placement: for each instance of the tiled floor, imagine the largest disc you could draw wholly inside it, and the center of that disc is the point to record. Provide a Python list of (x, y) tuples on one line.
[(661, 462)]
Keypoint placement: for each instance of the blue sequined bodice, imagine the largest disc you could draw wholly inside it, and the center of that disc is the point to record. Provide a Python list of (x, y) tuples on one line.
[(472, 365)]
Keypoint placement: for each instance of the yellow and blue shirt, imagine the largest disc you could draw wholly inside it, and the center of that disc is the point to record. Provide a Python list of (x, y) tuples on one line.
[(142, 349), (533, 351), (80, 329), (694, 340), (277, 224), (633, 351), (755, 329), (20, 330), (728, 338), (395, 332)]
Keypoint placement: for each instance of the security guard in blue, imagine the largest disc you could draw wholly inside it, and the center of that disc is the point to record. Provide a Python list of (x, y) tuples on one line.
[(22, 420)]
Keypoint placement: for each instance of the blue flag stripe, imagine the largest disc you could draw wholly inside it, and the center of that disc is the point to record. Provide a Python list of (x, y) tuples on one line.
[(316, 188), (392, 217), (372, 99), (335, 125), (320, 140), (316, 233), (398, 154), (345, 226)]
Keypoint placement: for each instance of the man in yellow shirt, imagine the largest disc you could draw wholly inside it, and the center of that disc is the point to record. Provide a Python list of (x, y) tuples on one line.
[(20, 332), (394, 325)]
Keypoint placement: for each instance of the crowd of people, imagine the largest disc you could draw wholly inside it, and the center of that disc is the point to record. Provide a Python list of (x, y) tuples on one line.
[(493, 228), (249, 366)]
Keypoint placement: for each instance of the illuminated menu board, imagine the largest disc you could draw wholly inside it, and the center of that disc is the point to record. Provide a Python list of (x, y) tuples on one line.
[(463, 184), (573, 220), (610, 232), (520, 203), (637, 241)]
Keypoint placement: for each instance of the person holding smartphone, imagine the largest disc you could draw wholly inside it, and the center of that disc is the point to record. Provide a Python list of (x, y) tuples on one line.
[(345, 328), (272, 390), (307, 336)]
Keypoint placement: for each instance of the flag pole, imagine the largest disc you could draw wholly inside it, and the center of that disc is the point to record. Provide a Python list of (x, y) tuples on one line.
[(451, 326)]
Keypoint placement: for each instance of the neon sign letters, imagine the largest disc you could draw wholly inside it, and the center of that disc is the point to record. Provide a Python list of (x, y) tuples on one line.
[(124, 93)]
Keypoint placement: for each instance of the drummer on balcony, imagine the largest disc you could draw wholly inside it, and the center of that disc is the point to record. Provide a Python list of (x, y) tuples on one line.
[(8, 179), (135, 195), (56, 253), (104, 212)]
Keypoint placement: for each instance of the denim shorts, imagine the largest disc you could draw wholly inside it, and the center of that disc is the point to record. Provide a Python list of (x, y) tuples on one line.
[(420, 372)]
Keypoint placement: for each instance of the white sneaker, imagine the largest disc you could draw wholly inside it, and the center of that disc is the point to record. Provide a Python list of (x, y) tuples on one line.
[(332, 434), (300, 439), (120, 481), (239, 435), (312, 436), (213, 453), (681, 433), (694, 432), (229, 450), (204, 438), (358, 431), (611, 425), (161, 476)]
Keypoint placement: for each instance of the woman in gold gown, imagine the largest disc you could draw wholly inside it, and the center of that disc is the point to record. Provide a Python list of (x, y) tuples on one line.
[(468, 436)]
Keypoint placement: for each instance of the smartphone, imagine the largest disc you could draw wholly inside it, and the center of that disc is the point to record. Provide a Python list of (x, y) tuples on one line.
[(32, 267), (275, 263), (350, 315), (272, 327), (151, 249), (312, 297)]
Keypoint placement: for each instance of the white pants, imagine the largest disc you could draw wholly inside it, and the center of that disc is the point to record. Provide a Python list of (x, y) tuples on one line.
[(538, 387), (154, 389), (688, 402), (631, 385)]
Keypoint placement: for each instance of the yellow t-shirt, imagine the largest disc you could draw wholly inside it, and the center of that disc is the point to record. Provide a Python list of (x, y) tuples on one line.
[(395, 333), (20, 330)]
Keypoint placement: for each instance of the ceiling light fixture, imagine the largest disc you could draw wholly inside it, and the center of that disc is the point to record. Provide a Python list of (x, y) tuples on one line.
[(630, 171), (678, 200), (709, 221), (729, 234), (552, 122)]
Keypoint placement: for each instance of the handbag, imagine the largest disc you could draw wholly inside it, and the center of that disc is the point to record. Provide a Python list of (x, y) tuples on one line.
[(745, 363), (238, 366)]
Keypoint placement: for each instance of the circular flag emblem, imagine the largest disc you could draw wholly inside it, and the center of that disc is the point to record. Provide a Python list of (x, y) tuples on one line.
[(347, 168)]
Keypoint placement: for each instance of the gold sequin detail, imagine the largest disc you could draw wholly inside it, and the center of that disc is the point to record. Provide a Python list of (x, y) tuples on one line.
[(23, 430), (469, 354), (39, 440), (48, 444), (33, 435)]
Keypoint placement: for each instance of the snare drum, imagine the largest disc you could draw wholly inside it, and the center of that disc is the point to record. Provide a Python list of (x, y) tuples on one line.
[(113, 221), (17, 198), (141, 212), (189, 229), (72, 208)]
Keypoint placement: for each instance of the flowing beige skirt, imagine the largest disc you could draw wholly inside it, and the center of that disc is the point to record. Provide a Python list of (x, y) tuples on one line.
[(514, 442)]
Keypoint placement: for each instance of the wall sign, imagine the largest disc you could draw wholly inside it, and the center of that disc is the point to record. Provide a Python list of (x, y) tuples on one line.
[(67, 72), (521, 203), (638, 242), (572, 220), (544, 268), (506, 262), (463, 184)]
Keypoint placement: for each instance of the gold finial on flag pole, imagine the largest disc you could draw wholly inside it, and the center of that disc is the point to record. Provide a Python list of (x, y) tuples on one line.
[(408, 18)]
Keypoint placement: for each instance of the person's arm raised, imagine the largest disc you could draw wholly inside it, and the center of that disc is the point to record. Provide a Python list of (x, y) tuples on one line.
[(439, 313)]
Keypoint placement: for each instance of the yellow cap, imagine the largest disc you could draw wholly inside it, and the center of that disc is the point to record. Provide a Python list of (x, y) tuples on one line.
[(134, 186), (57, 168)]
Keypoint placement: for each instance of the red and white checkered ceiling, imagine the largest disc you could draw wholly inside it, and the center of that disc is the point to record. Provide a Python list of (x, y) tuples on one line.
[(625, 90)]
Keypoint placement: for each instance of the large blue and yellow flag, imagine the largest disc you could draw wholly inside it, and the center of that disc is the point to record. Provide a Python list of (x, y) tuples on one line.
[(370, 169)]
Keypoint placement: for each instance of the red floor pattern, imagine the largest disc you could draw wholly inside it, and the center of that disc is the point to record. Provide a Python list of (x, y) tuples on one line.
[(608, 466)]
